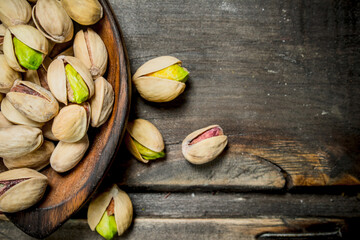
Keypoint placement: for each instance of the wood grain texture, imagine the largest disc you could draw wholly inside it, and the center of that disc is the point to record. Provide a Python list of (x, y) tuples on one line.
[(280, 77)]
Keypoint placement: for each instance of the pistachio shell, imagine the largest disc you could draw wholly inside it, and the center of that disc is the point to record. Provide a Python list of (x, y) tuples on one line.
[(85, 12), (39, 108), (14, 12), (123, 209), (102, 102), (130, 145), (52, 21), (7, 76), (2, 35), (205, 150), (25, 193), (19, 140), (38, 77), (91, 50), (68, 155), (155, 65), (37, 159), (4, 122), (46, 129)]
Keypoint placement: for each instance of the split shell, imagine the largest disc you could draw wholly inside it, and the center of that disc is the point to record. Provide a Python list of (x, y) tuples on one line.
[(24, 194), (14, 12), (2, 35), (85, 12), (7, 76)]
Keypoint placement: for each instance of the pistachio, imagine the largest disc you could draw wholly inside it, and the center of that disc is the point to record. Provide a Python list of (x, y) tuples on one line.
[(2, 35), (68, 155), (102, 102), (160, 79), (204, 145), (91, 50), (21, 189), (37, 159), (85, 12), (46, 129), (14, 12), (4, 122), (111, 206), (7, 76), (144, 141)]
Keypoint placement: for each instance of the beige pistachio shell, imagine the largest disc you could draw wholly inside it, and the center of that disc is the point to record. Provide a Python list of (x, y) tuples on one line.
[(37, 159), (123, 209), (2, 35), (102, 102), (68, 155), (85, 12), (38, 77), (19, 140), (37, 108), (52, 21), (91, 50), (71, 124), (4, 122), (15, 116), (155, 65), (205, 150), (24, 194), (32, 76), (14, 12), (130, 145), (7, 76), (47, 132)]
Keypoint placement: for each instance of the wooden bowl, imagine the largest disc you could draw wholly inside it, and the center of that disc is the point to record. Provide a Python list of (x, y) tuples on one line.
[(67, 192)]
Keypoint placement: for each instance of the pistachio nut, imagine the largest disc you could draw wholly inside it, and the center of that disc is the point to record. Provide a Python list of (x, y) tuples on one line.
[(46, 129), (70, 80), (37, 159), (204, 145), (85, 12), (24, 47), (4, 122), (7, 76), (52, 21), (91, 50), (72, 122), (68, 155), (19, 140), (20, 189), (102, 102), (160, 79), (112, 207), (14, 12), (33, 101), (2, 35), (144, 140), (15, 116)]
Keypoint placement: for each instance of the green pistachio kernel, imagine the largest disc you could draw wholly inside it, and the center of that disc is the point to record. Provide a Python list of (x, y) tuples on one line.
[(173, 72), (147, 153), (27, 57), (77, 84), (107, 226)]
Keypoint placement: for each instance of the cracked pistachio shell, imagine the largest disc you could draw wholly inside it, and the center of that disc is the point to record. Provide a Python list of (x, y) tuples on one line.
[(15, 116), (72, 122), (205, 150), (85, 12), (14, 12), (68, 155), (47, 132), (102, 102), (2, 35), (39, 76), (28, 35), (4, 122), (7, 76), (57, 79), (19, 140), (123, 209), (52, 20), (25, 193), (146, 134), (33, 101), (91, 50), (37, 159), (157, 89)]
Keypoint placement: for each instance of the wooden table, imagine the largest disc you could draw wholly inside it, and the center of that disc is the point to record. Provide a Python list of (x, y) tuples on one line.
[(282, 79)]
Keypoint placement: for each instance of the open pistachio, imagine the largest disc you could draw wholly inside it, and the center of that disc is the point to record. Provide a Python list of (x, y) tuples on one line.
[(68, 155), (33, 101), (4, 122), (7, 76), (91, 50), (2, 35), (14, 12), (72, 122), (21, 189), (85, 12), (112, 207), (37, 159), (204, 145), (161, 79), (102, 102), (69, 80), (144, 141), (19, 140), (24, 47)]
